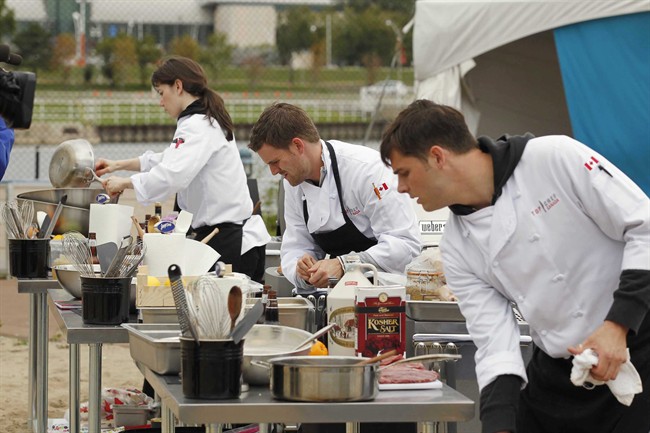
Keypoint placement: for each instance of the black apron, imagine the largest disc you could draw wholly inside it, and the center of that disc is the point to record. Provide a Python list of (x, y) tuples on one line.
[(346, 238)]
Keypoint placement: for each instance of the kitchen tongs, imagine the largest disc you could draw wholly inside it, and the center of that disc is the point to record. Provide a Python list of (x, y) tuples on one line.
[(178, 292)]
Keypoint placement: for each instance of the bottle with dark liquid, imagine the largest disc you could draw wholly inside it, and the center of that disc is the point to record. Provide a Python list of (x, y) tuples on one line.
[(272, 313), (147, 217), (265, 297), (155, 218), (92, 244)]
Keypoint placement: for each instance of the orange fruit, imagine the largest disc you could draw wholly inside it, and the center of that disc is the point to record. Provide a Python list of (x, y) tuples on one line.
[(318, 349)]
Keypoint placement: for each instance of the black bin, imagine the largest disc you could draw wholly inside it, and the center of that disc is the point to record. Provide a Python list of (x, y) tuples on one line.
[(211, 369), (105, 301), (29, 258)]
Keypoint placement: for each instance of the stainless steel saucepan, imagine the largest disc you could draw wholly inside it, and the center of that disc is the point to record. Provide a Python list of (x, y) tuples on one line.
[(72, 164), (330, 378)]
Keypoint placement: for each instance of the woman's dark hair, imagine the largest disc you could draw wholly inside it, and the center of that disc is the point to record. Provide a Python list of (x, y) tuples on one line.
[(195, 83), (424, 124)]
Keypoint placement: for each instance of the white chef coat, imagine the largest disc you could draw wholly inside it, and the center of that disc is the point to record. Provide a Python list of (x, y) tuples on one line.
[(391, 220), (555, 244), (254, 234), (204, 169)]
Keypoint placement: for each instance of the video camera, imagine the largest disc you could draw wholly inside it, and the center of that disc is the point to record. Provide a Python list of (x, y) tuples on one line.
[(16, 92)]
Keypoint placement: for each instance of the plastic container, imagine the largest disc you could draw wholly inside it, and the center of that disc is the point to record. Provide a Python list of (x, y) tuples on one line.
[(340, 307), (130, 415), (211, 369), (29, 258), (105, 301)]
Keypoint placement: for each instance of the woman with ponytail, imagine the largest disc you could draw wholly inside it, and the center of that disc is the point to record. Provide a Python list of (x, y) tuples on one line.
[(201, 166)]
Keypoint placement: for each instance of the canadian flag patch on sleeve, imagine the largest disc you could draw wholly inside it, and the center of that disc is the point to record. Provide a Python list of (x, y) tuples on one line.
[(379, 189)]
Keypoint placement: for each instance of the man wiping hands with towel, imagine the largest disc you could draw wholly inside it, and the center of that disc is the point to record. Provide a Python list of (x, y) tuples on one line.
[(552, 226)]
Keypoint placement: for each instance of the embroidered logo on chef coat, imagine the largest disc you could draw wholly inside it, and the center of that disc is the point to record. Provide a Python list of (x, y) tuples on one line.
[(589, 165), (545, 205), (378, 191), (352, 212), (593, 162), (178, 141)]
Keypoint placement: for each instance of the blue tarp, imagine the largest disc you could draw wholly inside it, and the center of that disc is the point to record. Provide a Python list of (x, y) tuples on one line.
[(605, 66)]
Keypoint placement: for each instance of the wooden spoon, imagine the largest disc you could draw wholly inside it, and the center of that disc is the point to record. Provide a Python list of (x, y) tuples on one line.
[(378, 357), (234, 305)]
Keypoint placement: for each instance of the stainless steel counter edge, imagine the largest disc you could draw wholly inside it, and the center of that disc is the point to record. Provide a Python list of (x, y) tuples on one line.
[(71, 324), (258, 406), (36, 285)]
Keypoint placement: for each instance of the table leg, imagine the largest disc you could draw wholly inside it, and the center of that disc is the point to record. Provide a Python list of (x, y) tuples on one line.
[(41, 362), (33, 339), (73, 397), (94, 388), (428, 427), (352, 427), (167, 419), (214, 428)]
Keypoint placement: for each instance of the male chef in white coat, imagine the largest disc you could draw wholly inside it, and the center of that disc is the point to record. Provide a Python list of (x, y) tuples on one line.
[(339, 198), (550, 225)]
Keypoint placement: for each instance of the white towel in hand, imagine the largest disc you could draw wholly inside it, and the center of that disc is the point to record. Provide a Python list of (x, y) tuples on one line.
[(626, 384)]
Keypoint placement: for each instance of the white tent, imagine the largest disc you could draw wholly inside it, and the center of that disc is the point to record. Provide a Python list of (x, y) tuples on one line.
[(580, 68), (487, 48)]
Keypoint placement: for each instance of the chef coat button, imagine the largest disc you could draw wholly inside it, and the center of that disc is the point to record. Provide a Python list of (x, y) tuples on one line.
[(578, 314), (521, 298), (466, 234), (544, 332), (558, 277), (534, 237), (495, 263)]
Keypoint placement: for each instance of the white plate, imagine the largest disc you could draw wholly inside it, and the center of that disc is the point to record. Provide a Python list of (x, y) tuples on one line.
[(436, 384)]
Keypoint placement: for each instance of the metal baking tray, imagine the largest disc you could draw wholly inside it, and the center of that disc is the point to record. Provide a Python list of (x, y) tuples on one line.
[(434, 311), (159, 315), (156, 345), (295, 312)]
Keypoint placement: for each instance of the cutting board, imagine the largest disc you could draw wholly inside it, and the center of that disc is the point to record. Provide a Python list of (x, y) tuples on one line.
[(436, 384)]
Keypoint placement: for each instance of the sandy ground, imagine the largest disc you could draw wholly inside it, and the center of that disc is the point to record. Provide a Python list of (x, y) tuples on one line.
[(118, 369)]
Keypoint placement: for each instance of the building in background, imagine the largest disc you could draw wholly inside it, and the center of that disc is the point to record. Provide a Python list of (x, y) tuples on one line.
[(163, 19)]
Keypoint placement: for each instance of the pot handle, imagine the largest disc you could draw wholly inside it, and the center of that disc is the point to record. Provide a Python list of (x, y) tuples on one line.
[(263, 364)]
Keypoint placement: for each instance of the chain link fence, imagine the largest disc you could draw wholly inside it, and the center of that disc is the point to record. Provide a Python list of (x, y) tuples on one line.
[(345, 63)]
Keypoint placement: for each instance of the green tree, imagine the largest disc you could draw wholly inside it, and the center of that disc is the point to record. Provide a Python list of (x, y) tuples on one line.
[(294, 33), (105, 50), (148, 53), (403, 6), (185, 46), (7, 21), (34, 44), (124, 58), (63, 55), (217, 54), (364, 37)]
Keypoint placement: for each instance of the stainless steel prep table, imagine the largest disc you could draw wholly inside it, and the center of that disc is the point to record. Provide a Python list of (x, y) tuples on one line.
[(76, 332), (426, 407), (38, 337)]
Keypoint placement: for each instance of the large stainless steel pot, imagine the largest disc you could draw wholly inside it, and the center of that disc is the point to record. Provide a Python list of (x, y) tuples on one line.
[(76, 212), (264, 342), (70, 164), (323, 378)]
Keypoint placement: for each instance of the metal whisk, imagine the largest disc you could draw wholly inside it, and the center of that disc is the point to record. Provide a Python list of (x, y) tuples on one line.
[(77, 249), (26, 212), (209, 305), (134, 256), (10, 221)]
